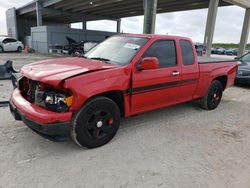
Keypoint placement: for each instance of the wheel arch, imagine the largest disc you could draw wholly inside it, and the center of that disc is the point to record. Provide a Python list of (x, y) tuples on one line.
[(114, 95), (18, 47), (223, 79)]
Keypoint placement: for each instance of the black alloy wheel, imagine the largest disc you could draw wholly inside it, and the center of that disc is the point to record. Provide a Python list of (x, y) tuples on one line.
[(96, 123), (213, 96), (100, 124)]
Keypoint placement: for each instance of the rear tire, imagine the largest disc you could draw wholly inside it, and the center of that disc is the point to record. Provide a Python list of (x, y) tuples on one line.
[(96, 123), (213, 96)]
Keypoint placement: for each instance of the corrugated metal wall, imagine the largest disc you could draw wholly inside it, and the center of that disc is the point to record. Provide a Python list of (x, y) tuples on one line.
[(45, 38)]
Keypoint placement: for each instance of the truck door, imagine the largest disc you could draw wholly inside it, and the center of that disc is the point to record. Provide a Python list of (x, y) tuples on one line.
[(189, 72), (156, 88)]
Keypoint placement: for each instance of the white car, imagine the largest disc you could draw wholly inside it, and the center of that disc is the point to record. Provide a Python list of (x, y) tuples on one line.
[(8, 44)]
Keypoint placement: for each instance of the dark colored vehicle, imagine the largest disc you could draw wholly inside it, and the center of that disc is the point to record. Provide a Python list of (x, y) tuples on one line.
[(213, 50), (199, 49), (243, 73), (81, 47), (220, 51), (125, 75), (73, 46), (217, 51), (231, 51)]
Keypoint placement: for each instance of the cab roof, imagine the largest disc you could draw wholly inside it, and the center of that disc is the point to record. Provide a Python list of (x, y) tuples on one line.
[(156, 36)]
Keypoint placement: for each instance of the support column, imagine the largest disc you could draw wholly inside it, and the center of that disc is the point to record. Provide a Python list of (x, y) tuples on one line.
[(244, 33), (211, 19), (84, 25), (39, 7), (118, 26), (150, 7)]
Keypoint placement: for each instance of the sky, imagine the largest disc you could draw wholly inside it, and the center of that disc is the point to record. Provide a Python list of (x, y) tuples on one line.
[(186, 23)]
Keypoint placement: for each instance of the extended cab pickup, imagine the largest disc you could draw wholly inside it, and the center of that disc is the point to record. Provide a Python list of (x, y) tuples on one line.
[(125, 75)]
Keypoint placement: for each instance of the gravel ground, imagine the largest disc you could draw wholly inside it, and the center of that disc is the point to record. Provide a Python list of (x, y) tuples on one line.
[(177, 147)]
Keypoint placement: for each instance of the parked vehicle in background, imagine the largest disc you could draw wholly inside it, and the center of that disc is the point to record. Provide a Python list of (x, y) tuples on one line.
[(235, 51), (247, 50), (220, 51), (8, 44), (199, 49), (125, 75), (213, 50), (73, 46), (80, 47), (231, 51), (243, 73)]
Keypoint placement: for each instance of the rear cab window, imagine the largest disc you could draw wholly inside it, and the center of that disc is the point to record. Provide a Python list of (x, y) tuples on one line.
[(187, 52), (164, 51)]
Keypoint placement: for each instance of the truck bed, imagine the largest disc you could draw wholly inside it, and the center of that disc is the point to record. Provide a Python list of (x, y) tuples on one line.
[(204, 59)]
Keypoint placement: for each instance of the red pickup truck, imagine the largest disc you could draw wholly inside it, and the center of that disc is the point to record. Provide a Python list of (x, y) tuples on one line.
[(125, 75)]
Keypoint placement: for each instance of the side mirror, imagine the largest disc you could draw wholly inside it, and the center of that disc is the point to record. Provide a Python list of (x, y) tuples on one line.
[(148, 63), (236, 58)]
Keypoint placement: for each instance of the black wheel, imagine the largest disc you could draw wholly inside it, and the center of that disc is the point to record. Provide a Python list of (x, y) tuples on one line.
[(213, 97), (19, 49), (96, 123), (1, 49)]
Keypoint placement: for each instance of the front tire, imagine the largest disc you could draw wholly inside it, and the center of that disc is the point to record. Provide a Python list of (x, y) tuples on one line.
[(213, 96), (96, 123), (1, 49), (19, 49)]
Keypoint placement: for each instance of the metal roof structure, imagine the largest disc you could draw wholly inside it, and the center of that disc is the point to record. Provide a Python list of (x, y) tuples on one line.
[(64, 12), (70, 11)]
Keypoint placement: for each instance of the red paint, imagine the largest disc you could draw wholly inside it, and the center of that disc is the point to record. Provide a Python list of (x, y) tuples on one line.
[(110, 121), (149, 63), (36, 113), (86, 78)]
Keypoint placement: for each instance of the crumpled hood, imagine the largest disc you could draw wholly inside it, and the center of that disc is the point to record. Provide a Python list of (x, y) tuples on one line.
[(53, 71)]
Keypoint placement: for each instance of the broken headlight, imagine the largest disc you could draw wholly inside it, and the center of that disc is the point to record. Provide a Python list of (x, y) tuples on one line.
[(54, 101)]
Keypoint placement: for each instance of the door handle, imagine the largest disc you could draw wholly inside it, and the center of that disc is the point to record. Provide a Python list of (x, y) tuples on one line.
[(175, 73)]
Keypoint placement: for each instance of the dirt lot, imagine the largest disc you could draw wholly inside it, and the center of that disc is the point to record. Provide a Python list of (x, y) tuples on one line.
[(181, 146)]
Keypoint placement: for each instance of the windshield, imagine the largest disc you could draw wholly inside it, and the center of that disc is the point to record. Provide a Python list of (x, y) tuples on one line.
[(117, 50), (245, 58)]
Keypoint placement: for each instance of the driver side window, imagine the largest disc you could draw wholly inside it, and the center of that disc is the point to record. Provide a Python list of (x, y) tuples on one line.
[(165, 51)]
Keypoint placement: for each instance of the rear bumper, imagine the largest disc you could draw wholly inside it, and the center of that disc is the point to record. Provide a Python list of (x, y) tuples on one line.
[(51, 125)]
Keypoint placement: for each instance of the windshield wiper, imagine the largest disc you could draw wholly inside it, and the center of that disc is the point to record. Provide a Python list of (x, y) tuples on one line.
[(101, 59)]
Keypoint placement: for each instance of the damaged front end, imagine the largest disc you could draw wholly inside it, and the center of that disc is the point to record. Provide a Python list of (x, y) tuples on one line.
[(43, 108), (44, 95)]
